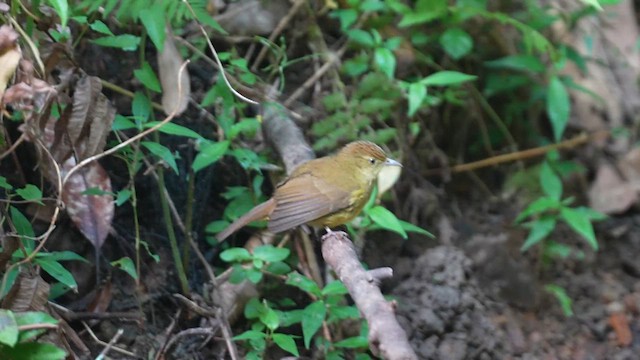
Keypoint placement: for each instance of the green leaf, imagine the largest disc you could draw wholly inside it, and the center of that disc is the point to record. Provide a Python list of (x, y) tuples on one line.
[(409, 227), (385, 60), (62, 256), (312, 319), (153, 19), (174, 129), (210, 152), (122, 123), (127, 265), (126, 42), (253, 308), (269, 253), (594, 3), (122, 196), (163, 153), (250, 335), (425, 11), (303, 283), (443, 78), (34, 351), (456, 42), (416, 95), (31, 193), (141, 108), (270, 318), (100, 27), (235, 254), (540, 205), (539, 229), (386, 219), (336, 287), (286, 343), (8, 328), (4, 184), (550, 182), (590, 213), (356, 342), (558, 107), (562, 297), (518, 62), (148, 78), (361, 37), (31, 318), (23, 227), (57, 271), (278, 268), (580, 224), (62, 9)]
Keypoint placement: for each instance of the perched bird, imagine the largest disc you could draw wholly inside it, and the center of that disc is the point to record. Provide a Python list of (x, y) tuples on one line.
[(324, 192)]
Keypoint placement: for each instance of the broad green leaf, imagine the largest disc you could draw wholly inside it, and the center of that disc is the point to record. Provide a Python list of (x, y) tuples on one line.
[(141, 108), (387, 220), (174, 129), (4, 184), (590, 213), (550, 182), (278, 268), (286, 343), (270, 253), (539, 229), (270, 318), (62, 9), (126, 42), (425, 11), (153, 19), (31, 318), (210, 152), (561, 295), (34, 351), (336, 287), (416, 94), (163, 153), (312, 319), (23, 227), (254, 275), (57, 271), (443, 78), (580, 224), (100, 27), (558, 107), (303, 283), (356, 342), (235, 254), (385, 60), (31, 193), (540, 205), (204, 17), (8, 328), (456, 42), (518, 62), (409, 227), (361, 37), (122, 123), (250, 335), (127, 265), (148, 77)]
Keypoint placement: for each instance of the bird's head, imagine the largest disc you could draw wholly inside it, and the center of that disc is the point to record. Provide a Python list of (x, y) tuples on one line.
[(367, 157)]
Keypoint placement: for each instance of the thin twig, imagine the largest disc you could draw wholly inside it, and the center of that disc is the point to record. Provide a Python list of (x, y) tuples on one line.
[(115, 338), (100, 342)]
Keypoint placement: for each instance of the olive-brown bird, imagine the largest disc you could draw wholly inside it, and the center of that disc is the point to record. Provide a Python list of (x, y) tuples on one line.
[(324, 192)]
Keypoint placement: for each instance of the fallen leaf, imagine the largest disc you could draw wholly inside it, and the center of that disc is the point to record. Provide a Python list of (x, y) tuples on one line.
[(176, 88), (10, 55), (28, 293), (620, 325), (609, 193)]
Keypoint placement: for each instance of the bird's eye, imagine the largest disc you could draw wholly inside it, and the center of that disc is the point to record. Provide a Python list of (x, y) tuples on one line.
[(372, 161)]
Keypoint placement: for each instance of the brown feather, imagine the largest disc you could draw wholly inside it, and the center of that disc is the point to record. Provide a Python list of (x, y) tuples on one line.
[(259, 212)]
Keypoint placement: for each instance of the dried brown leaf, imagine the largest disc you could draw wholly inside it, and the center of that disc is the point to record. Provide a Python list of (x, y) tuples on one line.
[(10, 55), (176, 88), (27, 294), (92, 214), (609, 193)]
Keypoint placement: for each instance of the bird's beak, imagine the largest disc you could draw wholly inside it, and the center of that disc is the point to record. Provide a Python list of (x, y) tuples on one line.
[(391, 162)]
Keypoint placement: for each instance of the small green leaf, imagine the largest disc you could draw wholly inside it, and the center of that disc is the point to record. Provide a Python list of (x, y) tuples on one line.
[(62, 256), (270, 318), (250, 335), (558, 107), (269, 253), (163, 153), (580, 224), (336, 287), (385, 61), (23, 227), (153, 19), (148, 78), (235, 254), (141, 108), (562, 297), (278, 268), (62, 9), (540, 205), (443, 78), (31, 318), (57, 271), (356, 342), (540, 229), (303, 283), (416, 95), (122, 196), (409, 227), (456, 42), (174, 129), (312, 319), (361, 37), (254, 275), (286, 343), (122, 123), (126, 42), (127, 265), (550, 182), (100, 27), (518, 62), (31, 193), (386, 219), (4, 184), (210, 152), (8, 328), (34, 351)]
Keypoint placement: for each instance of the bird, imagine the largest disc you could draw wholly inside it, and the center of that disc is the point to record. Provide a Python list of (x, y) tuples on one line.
[(324, 192)]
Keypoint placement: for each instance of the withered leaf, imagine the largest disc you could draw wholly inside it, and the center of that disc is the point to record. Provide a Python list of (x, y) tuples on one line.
[(28, 293), (10, 55), (176, 88)]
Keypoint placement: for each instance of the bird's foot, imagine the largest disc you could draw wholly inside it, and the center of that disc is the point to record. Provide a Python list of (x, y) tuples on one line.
[(330, 232)]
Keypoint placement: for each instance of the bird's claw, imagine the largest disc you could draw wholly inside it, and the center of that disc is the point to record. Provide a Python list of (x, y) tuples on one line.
[(330, 232)]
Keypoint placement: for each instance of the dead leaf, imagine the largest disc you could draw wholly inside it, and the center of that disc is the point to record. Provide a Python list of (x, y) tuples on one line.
[(27, 294), (10, 55), (609, 193), (175, 94), (92, 214), (620, 325)]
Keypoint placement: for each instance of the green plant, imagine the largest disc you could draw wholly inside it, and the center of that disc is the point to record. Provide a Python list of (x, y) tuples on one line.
[(18, 330)]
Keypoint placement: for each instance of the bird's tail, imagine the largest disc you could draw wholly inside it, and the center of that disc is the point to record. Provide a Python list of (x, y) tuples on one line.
[(259, 212)]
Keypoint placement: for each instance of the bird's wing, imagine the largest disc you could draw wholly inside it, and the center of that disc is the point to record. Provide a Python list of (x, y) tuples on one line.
[(305, 198)]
